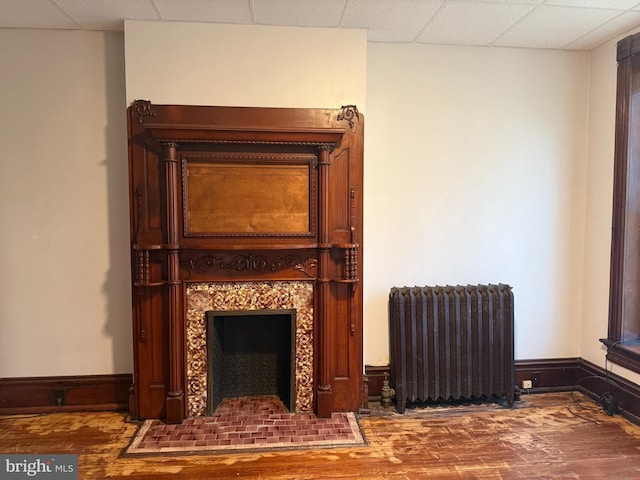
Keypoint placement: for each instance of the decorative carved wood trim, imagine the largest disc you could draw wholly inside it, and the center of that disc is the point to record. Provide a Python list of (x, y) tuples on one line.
[(203, 264), (325, 147), (309, 266), (249, 142), (249, 262), (143, 108), (349, 112), (142, 276), (351, 263)]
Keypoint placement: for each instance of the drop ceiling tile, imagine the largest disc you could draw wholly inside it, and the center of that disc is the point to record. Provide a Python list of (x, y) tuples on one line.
[(548, 26), (33, 14), (609, 4), (572, 24), (465, 23), (220, 11), (613, 28), (298, 13), (527, 2), (389, 20), (101, 15)]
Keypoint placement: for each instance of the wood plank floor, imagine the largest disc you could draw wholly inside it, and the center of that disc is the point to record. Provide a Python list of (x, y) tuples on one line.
[(538, 439)]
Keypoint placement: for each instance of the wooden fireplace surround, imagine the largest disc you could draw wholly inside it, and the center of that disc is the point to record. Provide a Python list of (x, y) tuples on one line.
[(235, 194)]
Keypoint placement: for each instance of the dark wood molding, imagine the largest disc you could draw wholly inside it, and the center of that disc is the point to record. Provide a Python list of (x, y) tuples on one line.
[(197, 265), (79, 393), (620, 183), (625, 354), (375, 378), (595, 381), (624, 310), (111, 392), (554, 375)]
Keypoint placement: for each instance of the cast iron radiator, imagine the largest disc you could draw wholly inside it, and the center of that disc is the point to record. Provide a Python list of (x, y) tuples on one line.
[(451, 343)]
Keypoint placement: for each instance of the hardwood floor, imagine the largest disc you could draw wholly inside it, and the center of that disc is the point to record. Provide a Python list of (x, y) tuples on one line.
[(538, 438)]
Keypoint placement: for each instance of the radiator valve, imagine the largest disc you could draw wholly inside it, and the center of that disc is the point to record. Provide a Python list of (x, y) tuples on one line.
[(387, 393)]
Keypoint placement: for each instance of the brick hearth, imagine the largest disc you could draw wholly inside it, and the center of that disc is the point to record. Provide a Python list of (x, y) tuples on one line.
[(247, 423)]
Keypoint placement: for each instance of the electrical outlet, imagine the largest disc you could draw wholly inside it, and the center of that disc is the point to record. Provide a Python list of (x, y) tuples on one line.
[(527, 384), (535, 379), (59, 397)]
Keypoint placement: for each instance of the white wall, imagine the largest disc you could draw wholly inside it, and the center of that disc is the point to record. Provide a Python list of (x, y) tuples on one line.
[(475, 173), (599, 195), (239, 65), (65, 306)]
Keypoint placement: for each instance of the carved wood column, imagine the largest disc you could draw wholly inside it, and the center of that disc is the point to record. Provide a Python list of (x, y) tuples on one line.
[(175, 396), (324, 393)]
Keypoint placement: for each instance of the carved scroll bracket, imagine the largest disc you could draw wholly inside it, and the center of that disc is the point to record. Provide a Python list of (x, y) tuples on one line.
[(143, 108), (348, 113)]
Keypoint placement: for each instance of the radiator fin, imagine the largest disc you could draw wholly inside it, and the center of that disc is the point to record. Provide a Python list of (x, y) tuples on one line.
[(451, 343)]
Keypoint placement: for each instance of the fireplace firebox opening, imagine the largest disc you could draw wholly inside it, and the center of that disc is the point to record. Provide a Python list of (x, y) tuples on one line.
[(251, 353)]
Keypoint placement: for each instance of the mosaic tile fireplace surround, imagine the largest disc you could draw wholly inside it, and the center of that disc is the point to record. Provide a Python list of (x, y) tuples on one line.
[(233, 296)]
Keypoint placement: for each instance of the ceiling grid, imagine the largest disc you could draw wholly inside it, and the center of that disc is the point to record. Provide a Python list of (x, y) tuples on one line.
[(555, 24)]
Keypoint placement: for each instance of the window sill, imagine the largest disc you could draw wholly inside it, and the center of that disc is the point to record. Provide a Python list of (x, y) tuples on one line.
[(626, 355)]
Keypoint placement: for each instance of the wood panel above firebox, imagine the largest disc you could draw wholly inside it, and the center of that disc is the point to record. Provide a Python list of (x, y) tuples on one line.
[(234, 194)]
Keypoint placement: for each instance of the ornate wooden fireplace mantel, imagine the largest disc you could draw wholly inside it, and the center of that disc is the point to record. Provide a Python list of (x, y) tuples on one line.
[(237, 194)]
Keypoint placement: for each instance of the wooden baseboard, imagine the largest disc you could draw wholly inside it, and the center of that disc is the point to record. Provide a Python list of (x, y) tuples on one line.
[(78, 393), (375, 378), (595, 381), (558, 374), (549, 375), (582, 375), (553, 374), (111, 392)]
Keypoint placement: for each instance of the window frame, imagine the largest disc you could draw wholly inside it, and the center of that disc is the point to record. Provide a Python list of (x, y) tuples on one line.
[(624, 300)]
